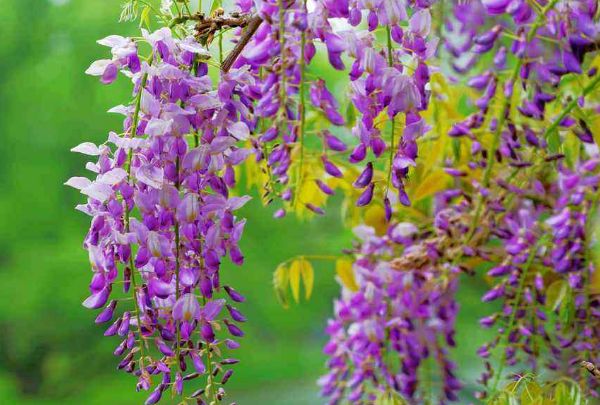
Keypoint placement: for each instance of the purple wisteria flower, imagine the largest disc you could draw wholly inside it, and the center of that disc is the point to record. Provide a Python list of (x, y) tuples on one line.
[(386, 82), (163, 216), (401, 315)]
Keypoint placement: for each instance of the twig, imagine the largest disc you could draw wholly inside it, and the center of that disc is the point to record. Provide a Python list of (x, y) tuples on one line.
[(251, 28), (591, 368), (247, 35)]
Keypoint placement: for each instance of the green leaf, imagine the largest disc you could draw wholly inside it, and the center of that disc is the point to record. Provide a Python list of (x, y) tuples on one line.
[(555, 294), (567, 393), (554, 141), (145, 17), (350, 115), (531, 394), (215, 5), (561, 394), (567, 311)]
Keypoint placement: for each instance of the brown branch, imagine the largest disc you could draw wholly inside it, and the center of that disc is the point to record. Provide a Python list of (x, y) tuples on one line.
[(206, 28), (253, 25), (251, 28), (591, 368)]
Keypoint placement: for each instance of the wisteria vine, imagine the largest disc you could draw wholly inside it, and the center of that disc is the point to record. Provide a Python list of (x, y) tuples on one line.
[(465, 144)]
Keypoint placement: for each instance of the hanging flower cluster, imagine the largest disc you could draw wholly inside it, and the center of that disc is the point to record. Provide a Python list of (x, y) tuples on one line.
[(548, 311), (163, 217), (524, 200), (397, 313), (385, 81), (389, 81), (548, 42)]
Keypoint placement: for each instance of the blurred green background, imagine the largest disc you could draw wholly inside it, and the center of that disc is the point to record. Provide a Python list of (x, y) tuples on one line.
[(51, 352)]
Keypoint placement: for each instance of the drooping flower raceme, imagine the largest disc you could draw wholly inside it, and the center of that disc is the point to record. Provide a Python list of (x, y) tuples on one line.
[(531, 113), (549, 315), (548, 43), (163, 216), (388, 81), (397, 314)]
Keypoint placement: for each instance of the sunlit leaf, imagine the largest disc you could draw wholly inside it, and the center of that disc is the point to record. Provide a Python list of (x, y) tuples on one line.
[(389, 398), (531, 393), (216, 4), (436, 181), (129, 10), (294, 275), (555, 294), (553, 141), (308, 276), (145, 17), (375, 218), (343, 268), (280, 284)]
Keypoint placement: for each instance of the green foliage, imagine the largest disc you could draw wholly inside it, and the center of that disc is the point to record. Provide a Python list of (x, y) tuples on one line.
[(529, 390), (390, 398)]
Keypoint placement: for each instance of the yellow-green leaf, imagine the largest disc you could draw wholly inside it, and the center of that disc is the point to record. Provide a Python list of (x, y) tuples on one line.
[(555, 294), (145, 17), (343, 268), (375, 218), (280, 283), (531, 393), (308, 276), (434, 182), (389, 398), (215, 6), (294, 275)]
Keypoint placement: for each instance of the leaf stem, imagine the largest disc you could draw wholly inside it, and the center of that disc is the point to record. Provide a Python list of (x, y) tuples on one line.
[(177, 265), (513, 315), (391, 159), (301, 110), (210, 378), (504, 110), (565, 111), (134, 127)]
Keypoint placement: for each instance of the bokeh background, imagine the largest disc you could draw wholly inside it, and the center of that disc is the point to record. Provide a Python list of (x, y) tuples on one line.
[(51, 352)]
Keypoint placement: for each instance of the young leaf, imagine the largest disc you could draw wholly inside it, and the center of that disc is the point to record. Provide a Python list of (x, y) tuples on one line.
[(435, 181), (375, 218), (554, 141), (343, 268), (389, 398), (145, 17), (294, 275), (280, 283), (531, 393), (308, 276), (216, 4), (555, 294)]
